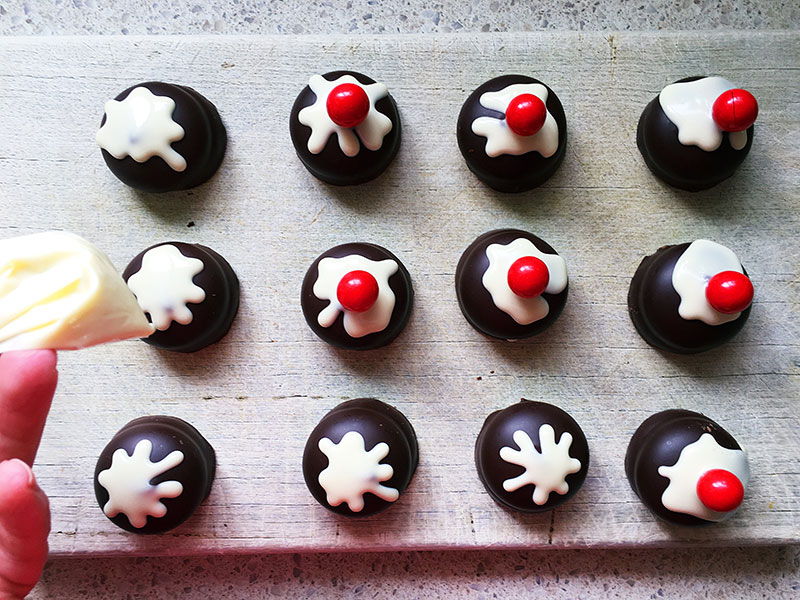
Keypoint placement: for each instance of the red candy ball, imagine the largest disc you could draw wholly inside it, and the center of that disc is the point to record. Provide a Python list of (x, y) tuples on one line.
[(357, 291), (528, 277), (735, 110), (729, 292), (720, 490), (347, 105), (525, 114)]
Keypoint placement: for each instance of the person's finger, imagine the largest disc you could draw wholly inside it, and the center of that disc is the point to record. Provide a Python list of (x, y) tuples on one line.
[(27, 383), (24, 526)]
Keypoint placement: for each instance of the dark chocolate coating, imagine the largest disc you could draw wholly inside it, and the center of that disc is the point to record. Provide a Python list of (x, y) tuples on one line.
[(211, 318), (475, 300), (377, 422), (498, 432), (653, 306), (507, 173), (686, 167), (332, 165), (400, 283), (658, 442), (203, 144), (195, 472)]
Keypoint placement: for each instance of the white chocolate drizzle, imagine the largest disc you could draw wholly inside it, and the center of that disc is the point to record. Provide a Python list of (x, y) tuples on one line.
[(688, 105), (495, 279), (163, 285), (356, 324), (696, 266), (545, 470), (500, 139), (694, 461), (353, 471), (127, 482), (141, 126), (371, 130)]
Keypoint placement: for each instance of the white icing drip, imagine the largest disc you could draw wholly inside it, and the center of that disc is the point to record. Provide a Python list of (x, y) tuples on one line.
[(500, 139), (128, 479), (694, 461), (546, 470), (59, 291), (356, 324), (353, 472), (163, 285), (523, 310), (688, 105), (371, 130), (696, 266), (141, 126)]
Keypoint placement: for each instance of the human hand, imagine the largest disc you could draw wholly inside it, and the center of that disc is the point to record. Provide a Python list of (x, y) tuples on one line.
[(27, 383)]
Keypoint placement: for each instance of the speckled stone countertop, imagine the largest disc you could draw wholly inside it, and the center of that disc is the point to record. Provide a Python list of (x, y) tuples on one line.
[(82, 17), (707, 572)]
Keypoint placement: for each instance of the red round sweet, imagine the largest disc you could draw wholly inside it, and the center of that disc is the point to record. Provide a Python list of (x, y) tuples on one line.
[(720, 490), (528, 277), (526, 114), (735, 110), (357, 291), (347, 105), (729, 292)]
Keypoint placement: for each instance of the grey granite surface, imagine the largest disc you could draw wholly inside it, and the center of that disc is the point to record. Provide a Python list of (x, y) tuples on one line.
[(689, 573), (711, 573), (380, 16)]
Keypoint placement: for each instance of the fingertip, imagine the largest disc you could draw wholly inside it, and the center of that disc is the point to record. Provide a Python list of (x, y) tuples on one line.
[(17, 480)]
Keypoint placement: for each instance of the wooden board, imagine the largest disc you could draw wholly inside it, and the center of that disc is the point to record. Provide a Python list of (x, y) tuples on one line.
[(258, 393)]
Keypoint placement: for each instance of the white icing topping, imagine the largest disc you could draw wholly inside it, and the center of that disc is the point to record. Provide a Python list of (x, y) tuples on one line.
[(59, 291), (688, 105), (128, 479), (547, 470), (500, 139), (141, 126), (696, 266), (353, 471), (371, 130), (356, 324), (523, 310), (163, 285), (694, 461)]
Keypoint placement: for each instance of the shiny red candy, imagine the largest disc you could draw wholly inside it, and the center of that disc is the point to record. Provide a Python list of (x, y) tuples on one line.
[(729, 292), (347, 105), (720, 490), (735, 110), (357, 291), (528, 277), (525, 114)]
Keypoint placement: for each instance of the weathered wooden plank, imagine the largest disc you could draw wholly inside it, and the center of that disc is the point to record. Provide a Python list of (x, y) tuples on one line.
[(258, 393)]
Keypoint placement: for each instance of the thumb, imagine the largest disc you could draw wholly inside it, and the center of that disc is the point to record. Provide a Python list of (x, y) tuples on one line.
[(24, 526)]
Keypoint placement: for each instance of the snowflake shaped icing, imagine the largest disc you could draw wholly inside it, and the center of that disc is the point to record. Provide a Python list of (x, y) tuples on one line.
[(128, 479), (163, 286), (371, 130), (495, 279), (330, 272), (546, 470), (500, 139), (688, 105), (353, 472), (695, 460), (141, 126), (696, 266)]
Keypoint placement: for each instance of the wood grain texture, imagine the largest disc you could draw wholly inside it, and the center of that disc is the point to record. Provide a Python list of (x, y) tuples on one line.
[(257, 394)]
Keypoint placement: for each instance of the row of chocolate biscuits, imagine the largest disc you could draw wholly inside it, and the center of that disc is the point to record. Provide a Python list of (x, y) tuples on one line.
[(531, 457), (345, 127), (510, 284)]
